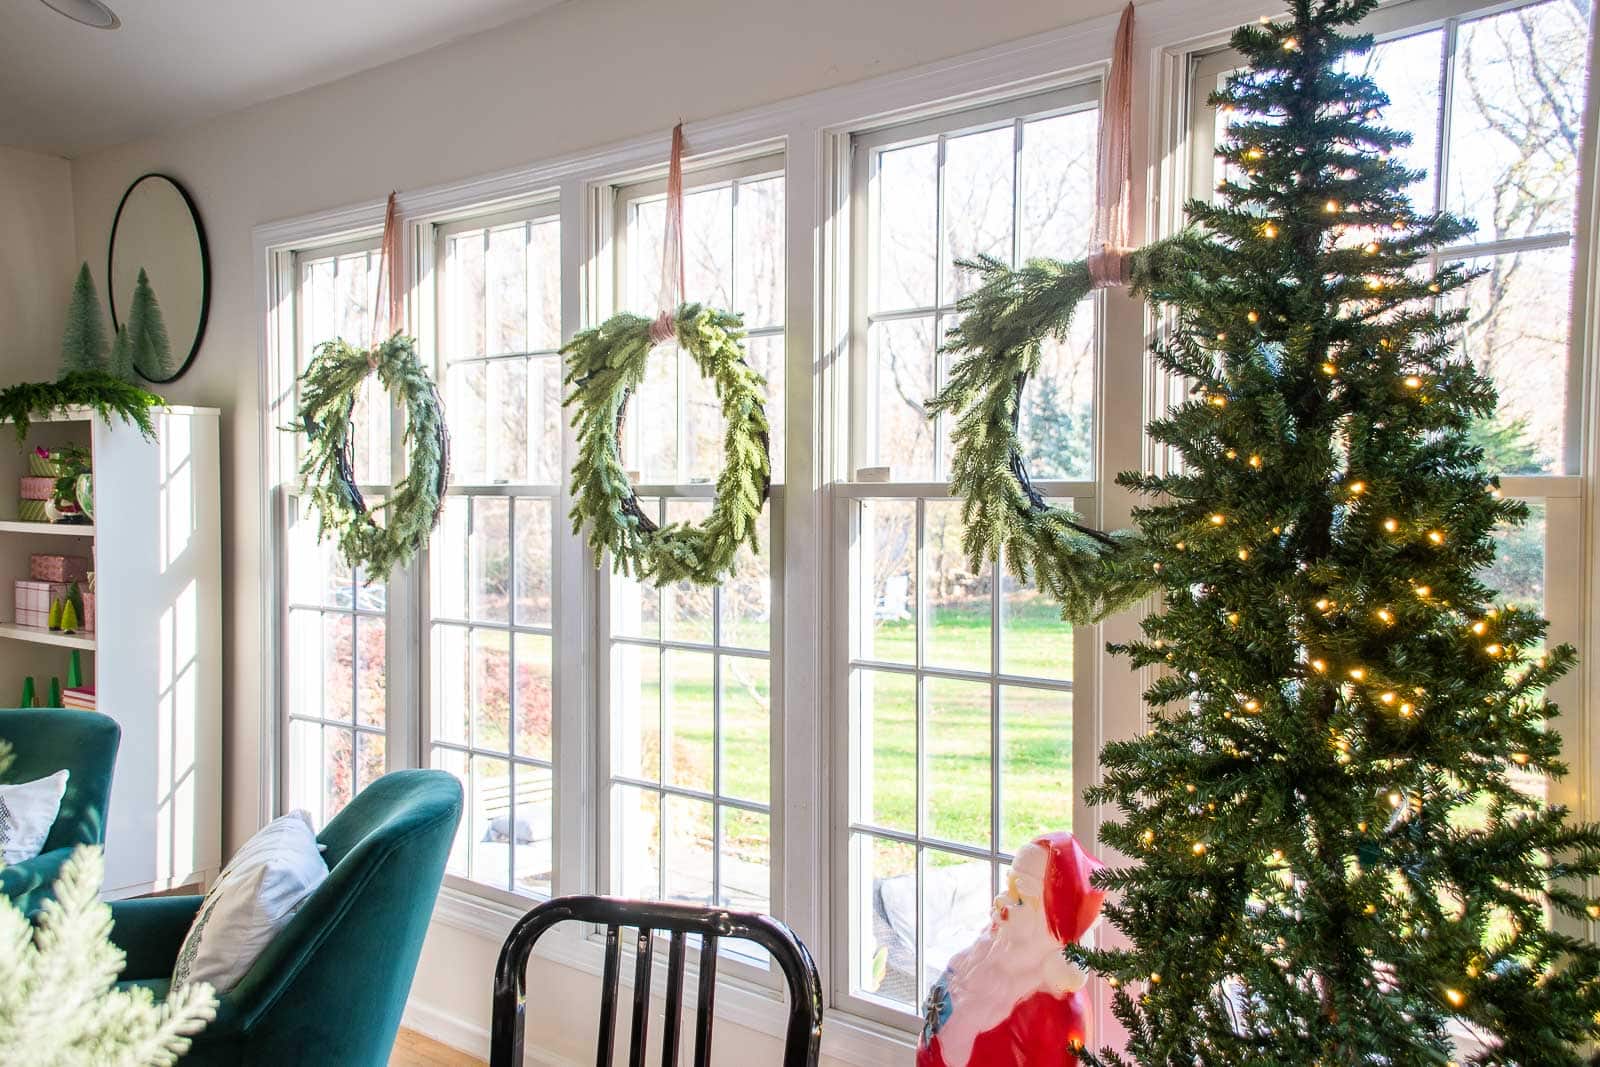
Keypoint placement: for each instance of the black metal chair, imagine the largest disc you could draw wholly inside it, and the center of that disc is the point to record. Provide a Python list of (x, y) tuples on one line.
[(802, 1040)]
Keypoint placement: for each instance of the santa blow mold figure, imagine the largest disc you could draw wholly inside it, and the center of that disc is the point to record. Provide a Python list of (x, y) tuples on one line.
[(1011, 999)]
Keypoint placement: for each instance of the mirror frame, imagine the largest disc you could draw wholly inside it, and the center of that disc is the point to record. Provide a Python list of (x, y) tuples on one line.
[(205, 270)]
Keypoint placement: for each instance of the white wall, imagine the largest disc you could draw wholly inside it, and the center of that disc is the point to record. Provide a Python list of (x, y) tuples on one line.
[(588, 73), (37, 262)]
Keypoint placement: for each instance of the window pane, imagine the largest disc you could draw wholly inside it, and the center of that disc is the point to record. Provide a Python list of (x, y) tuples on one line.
[(508, 428), (689, 607), (651, 430), (883, 877), (1517, 572), (467, 293), (765, 356), (452, 674), (338, 770), (888, 546), (746, 867), (956, 897), (1409, 71), (978, 201), (904, 226), (533, 831), (338, 667), (533, 561), (490, 821), (689, 719), (353, 297), (448, 551), (372, 762), (534, 697), (647, 221), (491, 678), (1057, 425), (544, 284), (885, 740), (372, 661), (704, 427), (544, 421), (305, 768), (746, 721), (959, 789), (490, 544), (1517, 335), (636, 842), (636, 606), (507, 289), (1521, 85), (636, 712), (1058, 182), (708, 246), (1036, 785), (759, 251), (900, 381), (689, 850), (746, 594), (466, 398), (958, 600), (1034, 641)]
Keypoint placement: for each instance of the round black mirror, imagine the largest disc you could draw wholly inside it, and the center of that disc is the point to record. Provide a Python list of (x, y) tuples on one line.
[(157, 231)]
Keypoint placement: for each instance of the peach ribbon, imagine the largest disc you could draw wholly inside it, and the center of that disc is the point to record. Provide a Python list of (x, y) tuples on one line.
[(387, 297), (665, 327), (1113, 195)]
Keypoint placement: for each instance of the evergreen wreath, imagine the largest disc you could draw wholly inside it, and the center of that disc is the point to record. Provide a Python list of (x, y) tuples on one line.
[(1004, 325), (607, 364), (411, 511)]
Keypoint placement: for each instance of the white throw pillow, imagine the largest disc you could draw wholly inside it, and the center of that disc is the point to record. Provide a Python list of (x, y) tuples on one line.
[(27, 811), (253, 898)]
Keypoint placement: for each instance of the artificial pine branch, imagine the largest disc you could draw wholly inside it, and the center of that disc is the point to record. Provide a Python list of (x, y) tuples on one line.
[(1332, 860)]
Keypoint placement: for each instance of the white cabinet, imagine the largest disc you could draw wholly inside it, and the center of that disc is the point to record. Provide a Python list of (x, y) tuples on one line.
[(155, 657)]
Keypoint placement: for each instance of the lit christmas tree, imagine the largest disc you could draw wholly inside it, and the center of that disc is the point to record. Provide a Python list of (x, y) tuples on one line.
[(1331, 861)]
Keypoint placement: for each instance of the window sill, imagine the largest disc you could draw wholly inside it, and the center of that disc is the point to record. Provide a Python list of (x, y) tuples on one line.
[(845, 1037)]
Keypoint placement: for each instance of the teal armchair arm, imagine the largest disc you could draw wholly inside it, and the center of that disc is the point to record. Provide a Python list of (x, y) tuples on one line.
[(150, 932), (44, 741), (30, 883)]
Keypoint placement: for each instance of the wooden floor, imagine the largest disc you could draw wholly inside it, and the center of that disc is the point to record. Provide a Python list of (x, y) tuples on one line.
[(414, 1050)]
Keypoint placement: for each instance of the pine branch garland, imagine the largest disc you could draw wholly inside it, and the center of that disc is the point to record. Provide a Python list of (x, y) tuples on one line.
[(107, 396), (606, 365)]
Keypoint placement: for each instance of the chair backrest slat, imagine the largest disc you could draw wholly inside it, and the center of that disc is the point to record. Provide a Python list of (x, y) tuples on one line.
[(669, 1037), (608, 998), (706, 1001), (803, 1036), (644, 950)]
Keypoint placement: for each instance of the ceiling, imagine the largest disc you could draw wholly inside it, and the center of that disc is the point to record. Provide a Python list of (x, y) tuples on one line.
[(68, 89)]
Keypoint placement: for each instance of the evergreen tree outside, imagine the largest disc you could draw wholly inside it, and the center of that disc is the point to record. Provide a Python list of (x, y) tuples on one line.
[(83, 343), (1331, 863)]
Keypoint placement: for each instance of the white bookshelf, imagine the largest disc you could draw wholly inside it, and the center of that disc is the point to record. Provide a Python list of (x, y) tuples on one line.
[(155, 657)]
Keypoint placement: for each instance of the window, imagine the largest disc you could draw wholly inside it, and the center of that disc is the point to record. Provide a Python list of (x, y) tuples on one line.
[(690, 699), (491, 627), (960, 684), (336, 679)]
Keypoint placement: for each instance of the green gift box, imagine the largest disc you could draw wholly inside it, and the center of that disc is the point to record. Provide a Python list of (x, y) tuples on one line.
[(32, 511)]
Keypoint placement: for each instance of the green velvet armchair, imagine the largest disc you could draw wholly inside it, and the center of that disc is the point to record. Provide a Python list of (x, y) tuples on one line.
[(44, 741), (331, 987)]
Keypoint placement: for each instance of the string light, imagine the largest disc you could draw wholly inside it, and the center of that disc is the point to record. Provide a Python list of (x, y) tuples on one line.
[(1358, 673), (1253, 316), (1391, 525), (1331, 206), (1413, 382), (1436, 536), (1148, 838), (1269, 231), (1290, 44), (1233, 618), (1329, 369), (1455, 997), (1255, 461), (1357, 488), (1493, 650), (1519, 758), (1198, 848), (1218, 519), (1388, 698), (1406, 710), (1217, 400), (1323, 604), (1372, 248), (1319, 665), (1386, 615), (1244, 554), (1479, 627), (1423, 591)]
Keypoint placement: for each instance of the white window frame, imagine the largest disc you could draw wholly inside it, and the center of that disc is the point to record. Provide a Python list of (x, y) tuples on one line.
[(431, 237), (814, 132)]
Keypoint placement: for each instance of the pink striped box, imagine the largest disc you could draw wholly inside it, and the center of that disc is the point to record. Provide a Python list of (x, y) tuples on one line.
[(38, 488), (33, 603)]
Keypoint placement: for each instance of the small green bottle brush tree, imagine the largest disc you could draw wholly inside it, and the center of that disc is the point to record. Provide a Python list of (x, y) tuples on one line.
[(1331, 862)]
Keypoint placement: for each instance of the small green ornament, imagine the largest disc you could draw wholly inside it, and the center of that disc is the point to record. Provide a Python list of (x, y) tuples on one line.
[(28, 696), (75, 670), (54, 620), (55, 694), (69, 617)]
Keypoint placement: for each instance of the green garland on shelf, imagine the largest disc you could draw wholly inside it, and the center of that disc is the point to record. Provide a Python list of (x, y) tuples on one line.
[(1004, 325), (104, 394), (607, 364), (327, 405)]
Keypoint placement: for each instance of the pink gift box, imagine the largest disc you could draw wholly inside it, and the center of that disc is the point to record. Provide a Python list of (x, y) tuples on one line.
[(38, 488), (33, 601), (44, 567), (88, 613)]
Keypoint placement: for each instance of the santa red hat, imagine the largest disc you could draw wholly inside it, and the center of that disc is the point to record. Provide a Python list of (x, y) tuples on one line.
[(1071, 902)]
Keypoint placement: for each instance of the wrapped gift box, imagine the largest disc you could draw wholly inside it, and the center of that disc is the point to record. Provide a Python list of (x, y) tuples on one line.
[(44, 467), (88, 612), (33, 603), (43, 567), (38, 488), (32, 511)]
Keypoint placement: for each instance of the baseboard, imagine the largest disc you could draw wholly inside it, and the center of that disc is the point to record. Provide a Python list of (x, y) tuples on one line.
[(466, 1036)]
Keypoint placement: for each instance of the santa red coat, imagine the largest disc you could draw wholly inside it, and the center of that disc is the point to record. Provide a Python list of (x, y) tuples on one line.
[(1040, 1021)]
